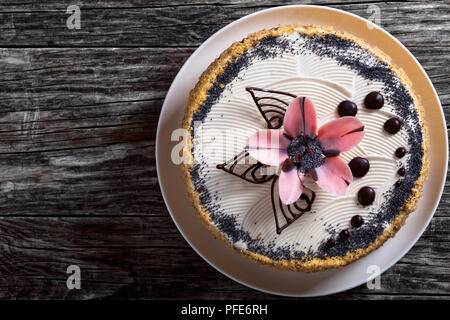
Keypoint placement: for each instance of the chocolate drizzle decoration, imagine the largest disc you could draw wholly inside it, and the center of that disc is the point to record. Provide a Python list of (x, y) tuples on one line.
[(272, 108), (291, 212), (254, 173)]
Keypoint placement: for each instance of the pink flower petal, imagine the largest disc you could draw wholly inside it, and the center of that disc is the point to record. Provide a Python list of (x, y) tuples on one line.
[(300, 118), (341, 134), (334, 176), (289, 184), (268, 146)]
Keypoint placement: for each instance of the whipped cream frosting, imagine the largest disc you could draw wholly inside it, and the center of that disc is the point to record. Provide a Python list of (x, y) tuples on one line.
[(242, 211)]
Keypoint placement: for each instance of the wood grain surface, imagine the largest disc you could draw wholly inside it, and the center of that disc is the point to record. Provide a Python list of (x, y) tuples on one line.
[(78, 117)]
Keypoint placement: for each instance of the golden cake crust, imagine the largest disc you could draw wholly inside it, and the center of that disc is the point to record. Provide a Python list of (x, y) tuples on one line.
[(199, 94)]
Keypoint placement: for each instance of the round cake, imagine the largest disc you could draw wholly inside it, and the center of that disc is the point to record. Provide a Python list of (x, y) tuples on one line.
[(306, 148)]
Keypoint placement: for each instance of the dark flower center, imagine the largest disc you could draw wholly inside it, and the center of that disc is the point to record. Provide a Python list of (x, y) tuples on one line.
[(306, 153)]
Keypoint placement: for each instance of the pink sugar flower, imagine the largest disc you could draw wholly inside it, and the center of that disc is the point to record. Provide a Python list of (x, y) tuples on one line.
[(301, 147)]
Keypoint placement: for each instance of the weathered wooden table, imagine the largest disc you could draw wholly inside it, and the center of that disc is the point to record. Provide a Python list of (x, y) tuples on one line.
[(78, 116)]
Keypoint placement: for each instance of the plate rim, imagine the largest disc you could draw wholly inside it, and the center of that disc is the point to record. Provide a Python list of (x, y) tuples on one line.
[(177, 79)]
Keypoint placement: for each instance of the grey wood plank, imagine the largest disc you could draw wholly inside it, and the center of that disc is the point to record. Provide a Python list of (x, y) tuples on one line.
[(60, 78), (111, 180), (414, 23)]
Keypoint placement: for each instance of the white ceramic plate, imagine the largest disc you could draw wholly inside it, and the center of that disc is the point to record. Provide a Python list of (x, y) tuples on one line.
[(234, 265)]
